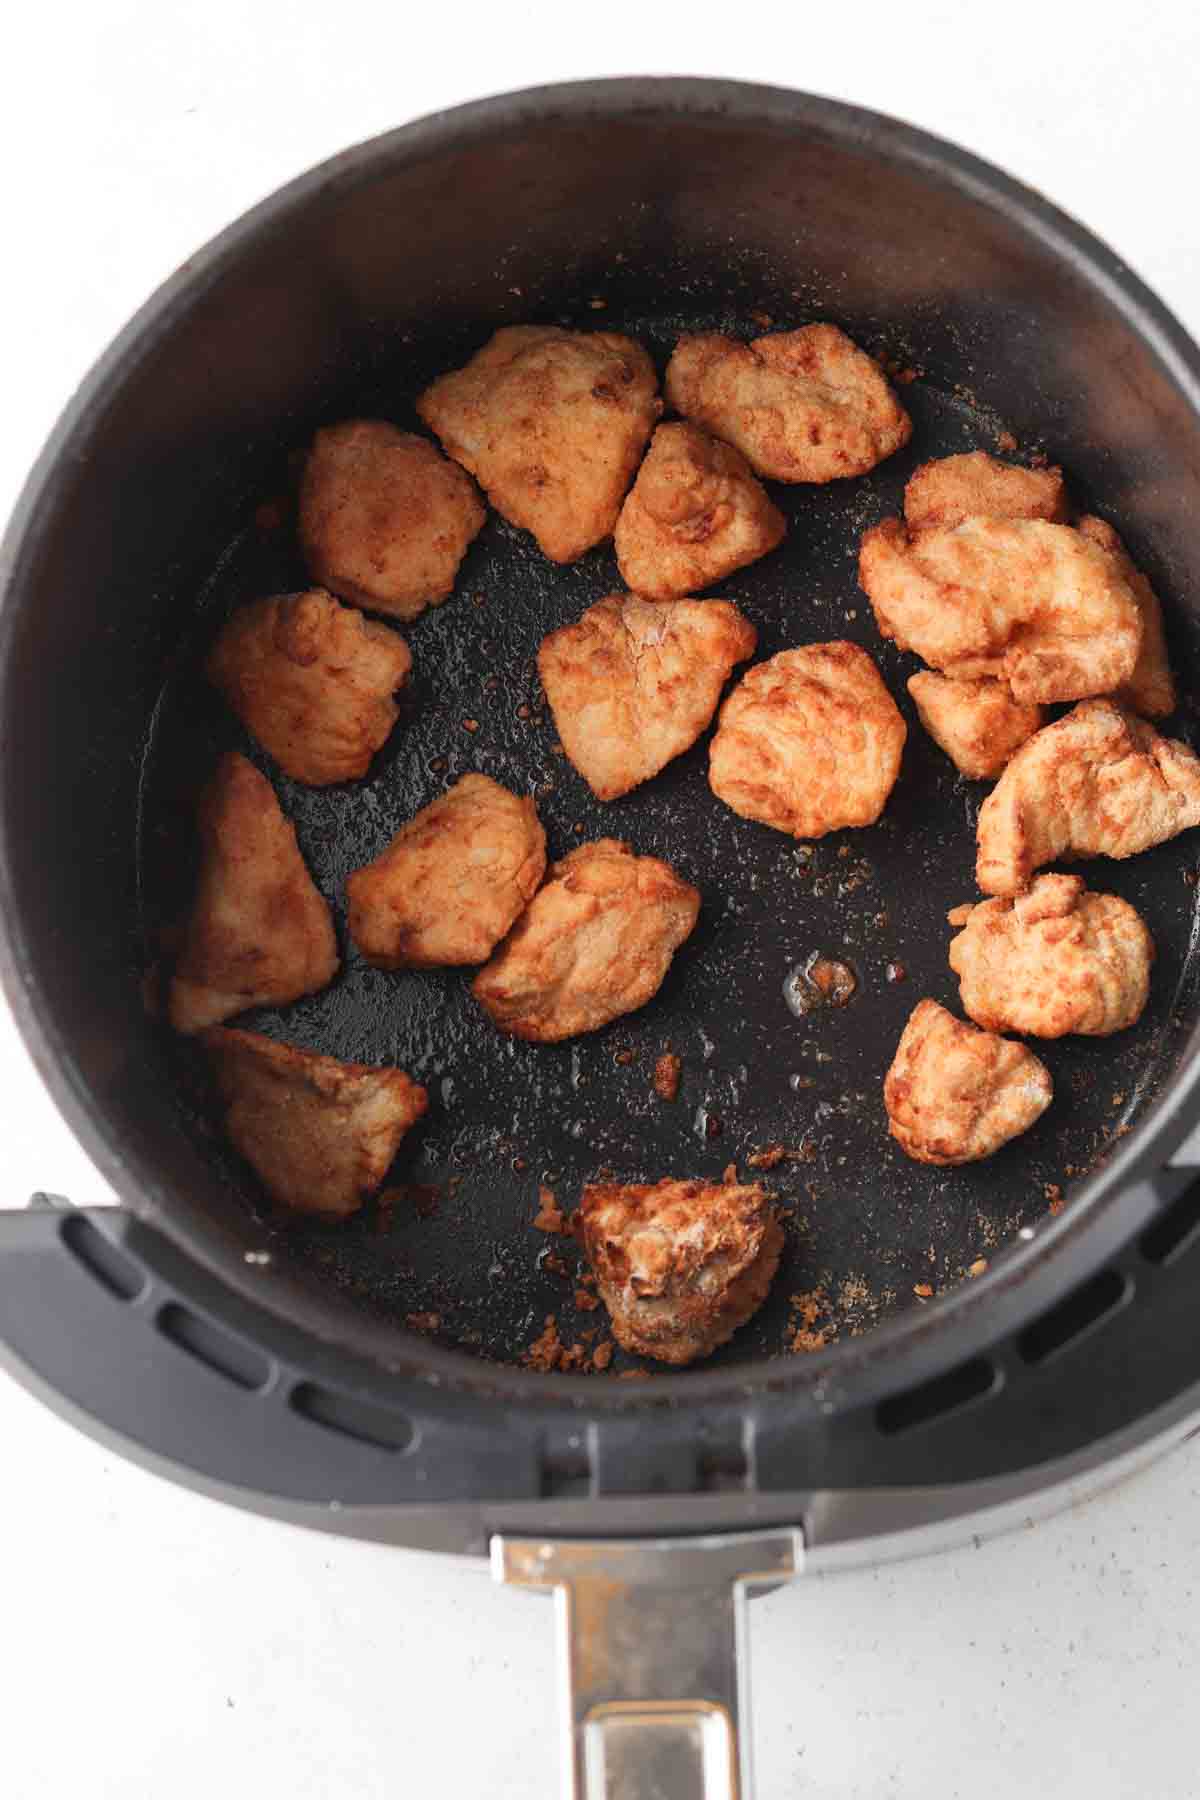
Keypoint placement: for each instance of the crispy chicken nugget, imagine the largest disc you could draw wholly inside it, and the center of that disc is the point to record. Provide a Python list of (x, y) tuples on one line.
[(385, 519), (1036, 605), (694, 514), (1055, 959), (320, 1134), (634, 682), (1150, 690), (954, 1094), (451, 881), (259, 933), (977, 723), (803, 405), (1098, 782), (595, 942), (682, 1264), (313, 681), (552, 423), (809, 742), (953, 488)]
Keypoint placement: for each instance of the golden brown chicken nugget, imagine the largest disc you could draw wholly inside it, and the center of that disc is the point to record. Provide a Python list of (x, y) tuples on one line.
[(955, 1094), (1098, 782), (320, 1134), (595, 942), (1055, 959), (552, 423), (634, 682), (694, 514), (259, 933), (385, 518), (804, 405), (451, 881), (680, 1265), (1150, 690), (953, 488), (977, 723), (313, 681), (809, 742)]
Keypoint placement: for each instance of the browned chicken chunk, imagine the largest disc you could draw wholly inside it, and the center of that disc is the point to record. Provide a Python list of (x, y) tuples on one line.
[(694, 514), (595, 942), (977, 723), (552, 423), (803, 405), (320, 1134), (1033, 604), (1150, 690), (809, 742), (1098, 782), (451, 881), (680, 1265), (955, 1094), (259, 933), (1055, 959), (313, 681), (385, 519), (634, 682), (953, 488)]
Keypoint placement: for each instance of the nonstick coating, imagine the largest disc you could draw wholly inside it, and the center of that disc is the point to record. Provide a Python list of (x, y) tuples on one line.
[(868, 1232)]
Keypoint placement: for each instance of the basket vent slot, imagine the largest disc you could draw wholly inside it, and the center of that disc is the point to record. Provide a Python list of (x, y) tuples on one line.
[(947, 1393), (352, 1417), (1176, 1231), (1072, 1318), (723, 1470), (216, 1349), (102, 1260)]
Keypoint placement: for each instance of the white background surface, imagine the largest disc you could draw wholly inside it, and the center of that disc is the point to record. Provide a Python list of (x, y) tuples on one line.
[(155, 1643)]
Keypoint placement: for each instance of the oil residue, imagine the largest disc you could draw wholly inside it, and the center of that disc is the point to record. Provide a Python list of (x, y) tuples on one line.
[(818, 981)]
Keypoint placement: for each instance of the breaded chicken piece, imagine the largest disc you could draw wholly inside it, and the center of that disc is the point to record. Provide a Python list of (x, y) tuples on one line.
[(694, 514), (595, 942), (1098, 782), (955, 1094), (1033, 604), (311, 680), (680, 1265), (977, 723), (1150, 690), (809, 742), (319, 1133), (634, 682), (953, 488), (1055, 959), (552, 424), (451, 881), (385, 518), (259, 933), (803, 405)]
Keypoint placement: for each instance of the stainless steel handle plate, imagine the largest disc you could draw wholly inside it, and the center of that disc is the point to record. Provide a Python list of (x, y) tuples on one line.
[(652, 1656)]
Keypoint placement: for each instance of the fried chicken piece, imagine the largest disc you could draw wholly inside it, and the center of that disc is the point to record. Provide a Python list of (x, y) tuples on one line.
[(595, 942), (319, 1133), (682, 1264), (1036, 605), (977, 723), (803, 405), (311, 680), (385, 519), (634, 682), (1150, 690), (1055, 959), (953, 488), (1098, 782), (259, 933), (694, 514), (451, 881), (552, 424), (809, 742), (954, 1094)]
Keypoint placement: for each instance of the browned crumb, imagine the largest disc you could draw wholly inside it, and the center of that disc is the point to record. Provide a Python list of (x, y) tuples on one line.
[(470, 724), (666, 1076), (1006, 441), (623, 1058), (896, 971), (923, 1291), (545, 1352), (423, 1321), (584, 1301), (1052, 1192), (602, 1355), (767, 1159), (906, 377), (550, 1216), (730, 1175), (978, 1266), (804, 1333), (762, 318)]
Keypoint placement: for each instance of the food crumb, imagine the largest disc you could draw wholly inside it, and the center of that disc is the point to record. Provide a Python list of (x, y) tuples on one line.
[(623, 1058), (545, 1352), (470, 724), (896, 971), (602, 1355), (770, 1158), (1006, 441), (423, 1321), (730, 1175), (666, 1076), (762, 318), (550, 1216), (597, 304), (584, 1301), (923, 1291), (977, 1267)]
